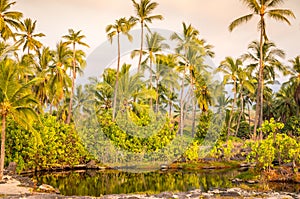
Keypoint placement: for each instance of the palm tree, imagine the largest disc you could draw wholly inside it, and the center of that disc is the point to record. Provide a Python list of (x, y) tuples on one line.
[(245, 87), (16, 102), (295, 79), (262, 9), (285, 105), (154, 45), (41, 88), (185, 43), (166, 79), (8, 19), (121, 26), (231, 69), (6, 50), (28, 37), (59, 82), (104, 90), (271, 56), (72, 39), (143, 11)]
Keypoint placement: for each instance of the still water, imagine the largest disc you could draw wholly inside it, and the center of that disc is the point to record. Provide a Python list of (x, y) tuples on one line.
[(97, 183)]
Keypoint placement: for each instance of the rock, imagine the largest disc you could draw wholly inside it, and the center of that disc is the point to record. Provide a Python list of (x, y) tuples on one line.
[(48, 188), (164, 167), (91, 165), (12, 168), (238, 157), (232, 194), (164, 195), (236, 180), (245, 165), (251, 181), (242, 169)]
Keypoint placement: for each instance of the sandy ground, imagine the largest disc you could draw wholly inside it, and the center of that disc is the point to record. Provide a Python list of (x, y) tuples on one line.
[(12, 186)]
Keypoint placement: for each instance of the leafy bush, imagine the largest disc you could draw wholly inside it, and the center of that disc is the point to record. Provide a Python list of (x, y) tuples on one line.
[(276, 145), (59, 144)]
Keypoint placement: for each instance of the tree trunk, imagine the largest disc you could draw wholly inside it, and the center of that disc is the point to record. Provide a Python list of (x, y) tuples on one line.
[(170, 109), (2, 146), (181, 123), (194, 116), (259, 97), (117, 80), (156, 103), (249, 118), (232, 109), (73, 85), (141, 50), (240, 115), (151, 86)]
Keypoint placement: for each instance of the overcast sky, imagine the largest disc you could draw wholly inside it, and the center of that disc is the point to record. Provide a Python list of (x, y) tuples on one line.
[(211, 18)]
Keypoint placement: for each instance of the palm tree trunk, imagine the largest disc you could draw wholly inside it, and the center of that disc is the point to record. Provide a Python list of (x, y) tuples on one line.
[(141, 50), (194, 103), (151, 86), (117, 80), (249, 118), (2, 146), (170, 109), (232, 110), (194, 116), (259, 96), (73, 85), (240, 114), (181, 123), (156, 103)]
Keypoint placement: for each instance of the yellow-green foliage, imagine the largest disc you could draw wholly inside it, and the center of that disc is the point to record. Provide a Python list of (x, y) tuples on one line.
[(60, 145), (222, 150), (276, 145)]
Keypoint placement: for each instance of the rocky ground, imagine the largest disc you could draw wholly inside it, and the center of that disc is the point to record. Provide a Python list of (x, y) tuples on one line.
[(17, 187), (195, 194)]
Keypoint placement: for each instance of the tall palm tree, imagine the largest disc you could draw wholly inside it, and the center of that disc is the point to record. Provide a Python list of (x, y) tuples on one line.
[(143, 12), (74, 38), (262, 9), (121, 26), (8, 19), (16, 101), (270, 55), (185, 42), (245, 87), (154, 45), (231, 69), (28, 37)]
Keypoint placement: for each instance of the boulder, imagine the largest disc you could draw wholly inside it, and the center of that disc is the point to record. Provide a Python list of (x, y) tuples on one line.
[(91, 165), (12, 167), (48, 188)]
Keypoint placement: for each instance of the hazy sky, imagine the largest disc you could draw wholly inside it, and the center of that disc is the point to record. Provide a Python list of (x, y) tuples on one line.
[(211, 18)]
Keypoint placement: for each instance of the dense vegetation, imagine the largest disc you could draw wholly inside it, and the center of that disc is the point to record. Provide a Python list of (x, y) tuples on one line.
[(47, 120)]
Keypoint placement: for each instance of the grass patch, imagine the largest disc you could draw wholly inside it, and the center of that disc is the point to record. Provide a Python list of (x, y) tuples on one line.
[(248, 175)]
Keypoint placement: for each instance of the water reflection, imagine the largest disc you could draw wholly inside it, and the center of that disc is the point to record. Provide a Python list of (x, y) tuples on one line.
[(96, 183)]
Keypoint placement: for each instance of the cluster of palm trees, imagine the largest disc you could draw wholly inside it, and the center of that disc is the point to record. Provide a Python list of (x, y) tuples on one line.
[(34, 77), (164, 70)]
